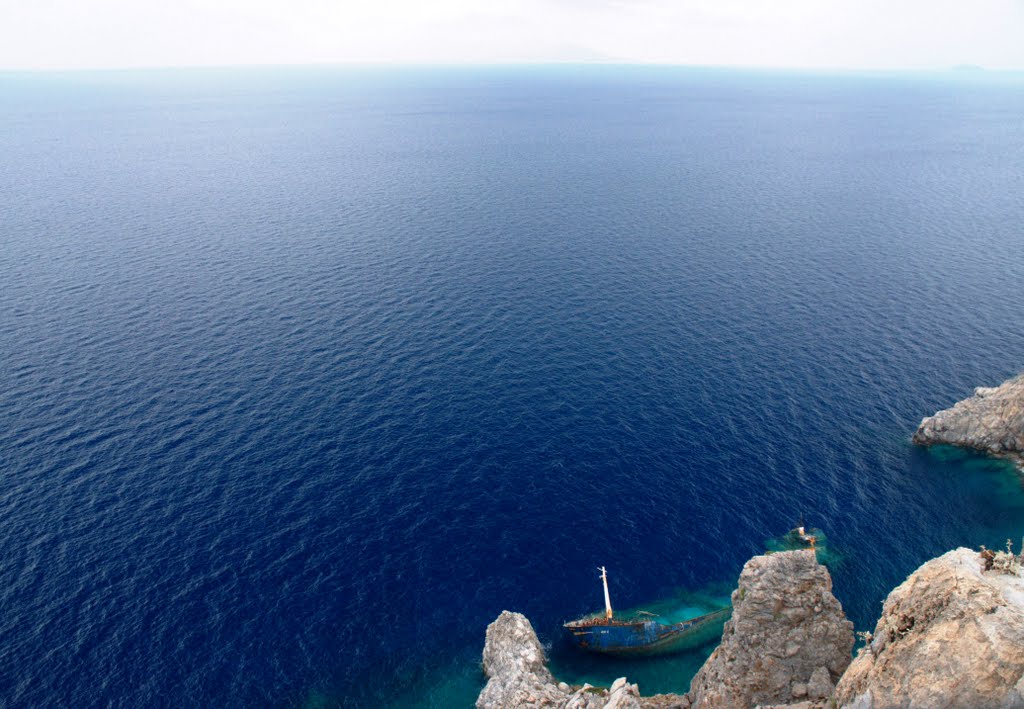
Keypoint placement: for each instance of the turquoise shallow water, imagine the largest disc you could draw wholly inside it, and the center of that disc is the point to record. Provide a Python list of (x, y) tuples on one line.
[(309, 373), (657, 674)]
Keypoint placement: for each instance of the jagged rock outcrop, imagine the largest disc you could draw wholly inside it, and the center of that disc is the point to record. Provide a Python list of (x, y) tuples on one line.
[(788, 639), (992, 420), (514, 662), (951, 635)]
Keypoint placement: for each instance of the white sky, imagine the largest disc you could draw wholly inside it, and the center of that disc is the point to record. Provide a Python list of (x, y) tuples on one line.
[(878, 34)]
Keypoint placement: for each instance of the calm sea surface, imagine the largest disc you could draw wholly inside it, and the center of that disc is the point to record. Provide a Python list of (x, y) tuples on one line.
[(305, 375)]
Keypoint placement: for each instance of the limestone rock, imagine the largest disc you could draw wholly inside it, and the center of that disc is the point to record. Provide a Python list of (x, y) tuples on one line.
[(623, 695), (992, 420), (665, 701), (820, 685), (951, 635), (587, 697), (786, 624), (514, 664)]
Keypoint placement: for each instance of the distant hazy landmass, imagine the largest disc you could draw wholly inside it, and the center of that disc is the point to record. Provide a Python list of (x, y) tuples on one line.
[(968, 67)]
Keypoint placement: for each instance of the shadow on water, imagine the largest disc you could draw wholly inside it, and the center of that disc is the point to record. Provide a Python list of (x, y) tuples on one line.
[(991, 489), (454, 685), (453, 682)]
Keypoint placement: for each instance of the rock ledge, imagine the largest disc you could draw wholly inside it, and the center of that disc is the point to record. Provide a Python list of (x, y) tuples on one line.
[(788, 639), (992, 421), (951, 635)]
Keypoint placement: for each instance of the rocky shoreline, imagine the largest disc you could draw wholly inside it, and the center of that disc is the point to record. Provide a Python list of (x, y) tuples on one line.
[(990, 421), (952, 635)]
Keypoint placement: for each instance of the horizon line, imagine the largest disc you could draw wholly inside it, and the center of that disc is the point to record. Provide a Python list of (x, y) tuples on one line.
[(965, 69)]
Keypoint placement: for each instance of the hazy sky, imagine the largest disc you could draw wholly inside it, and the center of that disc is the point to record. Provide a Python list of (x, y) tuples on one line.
[(905, 34)]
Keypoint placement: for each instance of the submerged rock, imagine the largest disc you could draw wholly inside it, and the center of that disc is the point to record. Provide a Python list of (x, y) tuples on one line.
[(788, 639), (951, 635), (992, 420)]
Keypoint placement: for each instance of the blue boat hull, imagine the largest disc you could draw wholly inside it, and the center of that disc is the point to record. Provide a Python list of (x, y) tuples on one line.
[(646, 637)]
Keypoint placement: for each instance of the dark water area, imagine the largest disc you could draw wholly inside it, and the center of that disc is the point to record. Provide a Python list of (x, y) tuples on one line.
[(308, 374)]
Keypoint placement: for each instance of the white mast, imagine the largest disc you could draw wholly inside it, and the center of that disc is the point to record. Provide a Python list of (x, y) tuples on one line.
[(607, 598)]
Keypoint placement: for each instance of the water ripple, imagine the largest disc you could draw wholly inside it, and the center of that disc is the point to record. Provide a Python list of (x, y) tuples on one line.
[(309, 374)]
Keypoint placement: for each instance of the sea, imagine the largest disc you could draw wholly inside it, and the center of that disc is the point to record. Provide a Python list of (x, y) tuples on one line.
[(306, 374)]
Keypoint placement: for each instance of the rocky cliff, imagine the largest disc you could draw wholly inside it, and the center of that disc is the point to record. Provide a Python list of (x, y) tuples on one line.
[(992, 420), (788, 639), (951, 635)]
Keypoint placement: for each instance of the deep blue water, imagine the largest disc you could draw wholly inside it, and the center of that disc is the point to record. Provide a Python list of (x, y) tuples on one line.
[(305, 375)]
